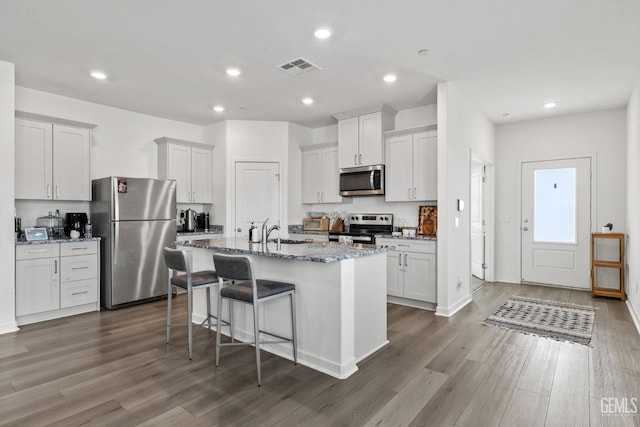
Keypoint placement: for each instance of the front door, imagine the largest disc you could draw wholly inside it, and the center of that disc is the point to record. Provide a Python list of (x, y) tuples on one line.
[(556, 222), (257, 195)]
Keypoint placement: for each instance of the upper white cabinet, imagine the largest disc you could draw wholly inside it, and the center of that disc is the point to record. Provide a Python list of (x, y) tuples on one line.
[(52, 159), (411, 165), (320, 176), (360, 135), (190, 164)]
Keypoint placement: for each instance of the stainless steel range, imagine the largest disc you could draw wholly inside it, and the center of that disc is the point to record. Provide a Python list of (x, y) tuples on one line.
[(364, 227)]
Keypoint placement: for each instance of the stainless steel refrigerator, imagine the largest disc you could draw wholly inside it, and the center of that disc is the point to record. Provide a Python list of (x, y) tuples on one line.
[(135, 218)]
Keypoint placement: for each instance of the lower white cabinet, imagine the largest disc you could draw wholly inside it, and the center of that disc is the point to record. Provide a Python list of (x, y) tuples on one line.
[(411, 269), (56, 280)]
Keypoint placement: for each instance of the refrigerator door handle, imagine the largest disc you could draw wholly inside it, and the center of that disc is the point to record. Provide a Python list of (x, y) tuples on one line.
[(114, 246), (116, 204)]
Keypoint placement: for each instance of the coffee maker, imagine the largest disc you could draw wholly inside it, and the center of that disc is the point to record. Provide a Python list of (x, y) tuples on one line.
[(75, 221), (203, 221)]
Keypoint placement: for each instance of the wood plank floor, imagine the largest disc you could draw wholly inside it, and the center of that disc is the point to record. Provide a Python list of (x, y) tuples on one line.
[(114, 369)]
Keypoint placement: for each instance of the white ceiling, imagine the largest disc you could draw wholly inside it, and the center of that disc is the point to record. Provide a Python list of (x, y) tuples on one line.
[(168, 57)]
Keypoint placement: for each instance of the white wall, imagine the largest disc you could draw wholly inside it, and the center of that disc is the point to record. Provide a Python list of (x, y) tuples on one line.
[(7, 177), (418, 116), (462, 130), (216, 134), (121, 144), (633, 202), (256, 141), (600, 133), (325, 134)]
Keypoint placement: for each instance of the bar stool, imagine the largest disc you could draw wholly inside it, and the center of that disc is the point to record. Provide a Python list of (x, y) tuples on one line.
[(245, 288), (176, 260)]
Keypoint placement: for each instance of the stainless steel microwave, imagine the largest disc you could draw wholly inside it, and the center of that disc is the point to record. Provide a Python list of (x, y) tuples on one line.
[(362, 181)]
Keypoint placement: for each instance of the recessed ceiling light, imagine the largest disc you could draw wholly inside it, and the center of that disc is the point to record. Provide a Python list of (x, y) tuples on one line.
[(550, 105), (218, 108), (233, 72), (307, 101), (323, 33), (390, 78), (507, 115), (98, 75)]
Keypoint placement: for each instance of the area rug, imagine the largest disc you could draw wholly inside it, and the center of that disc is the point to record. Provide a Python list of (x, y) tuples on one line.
[(558, 320)]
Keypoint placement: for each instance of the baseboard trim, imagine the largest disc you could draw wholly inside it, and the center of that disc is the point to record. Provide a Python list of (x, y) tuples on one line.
[(9, 327), (453, 309), (634, 315), (283, 350)]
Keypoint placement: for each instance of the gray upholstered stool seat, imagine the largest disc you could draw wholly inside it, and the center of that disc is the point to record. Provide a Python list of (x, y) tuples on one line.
[(265, 288), (176, 261), (238, 283), (198, 278)]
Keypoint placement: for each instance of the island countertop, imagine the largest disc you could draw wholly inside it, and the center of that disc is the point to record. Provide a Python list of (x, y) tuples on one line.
[(324, 252)]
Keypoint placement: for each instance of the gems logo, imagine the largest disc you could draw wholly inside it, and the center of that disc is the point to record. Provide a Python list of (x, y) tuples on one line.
[(619, 405)]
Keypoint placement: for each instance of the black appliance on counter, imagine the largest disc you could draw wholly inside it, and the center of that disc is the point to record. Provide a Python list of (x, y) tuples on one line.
[(202, 221), (75, 221), (364, 227)]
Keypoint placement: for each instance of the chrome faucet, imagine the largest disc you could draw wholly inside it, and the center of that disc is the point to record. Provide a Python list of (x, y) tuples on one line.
[(273, 227), (265, 232)]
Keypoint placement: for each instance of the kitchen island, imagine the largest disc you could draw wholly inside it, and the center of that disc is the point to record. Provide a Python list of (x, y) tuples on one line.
[(341, 298)]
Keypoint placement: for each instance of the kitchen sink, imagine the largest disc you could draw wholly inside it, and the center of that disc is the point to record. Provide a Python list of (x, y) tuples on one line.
[(289, 241)]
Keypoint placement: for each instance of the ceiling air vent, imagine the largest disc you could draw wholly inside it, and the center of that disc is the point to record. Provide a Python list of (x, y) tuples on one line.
[(299, 66)]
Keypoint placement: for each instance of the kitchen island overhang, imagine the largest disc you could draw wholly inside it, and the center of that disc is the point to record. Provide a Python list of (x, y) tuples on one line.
[(341, 297)]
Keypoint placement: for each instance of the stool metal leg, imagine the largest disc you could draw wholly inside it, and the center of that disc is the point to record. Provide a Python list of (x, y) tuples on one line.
[(231, 319), (209, 309), (256, 330), (293, 328), (189, 315), (169, 313), (219, 329)]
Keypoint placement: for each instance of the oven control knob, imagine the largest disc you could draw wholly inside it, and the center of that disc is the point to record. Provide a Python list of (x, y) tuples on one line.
[(353, 218)]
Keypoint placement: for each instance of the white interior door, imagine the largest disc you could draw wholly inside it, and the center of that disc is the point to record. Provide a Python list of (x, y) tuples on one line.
[(257, 195), (477, 220), (556, 222)]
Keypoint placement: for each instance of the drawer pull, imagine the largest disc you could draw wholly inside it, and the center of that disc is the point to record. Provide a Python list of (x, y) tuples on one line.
[(402, 244), (79, 293), (39, 251), (80, 268), (78, 249)]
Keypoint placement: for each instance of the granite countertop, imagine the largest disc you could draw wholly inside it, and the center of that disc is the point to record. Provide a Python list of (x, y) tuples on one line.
[(65, 239), (316, 251), (417, 237), (199, 232)]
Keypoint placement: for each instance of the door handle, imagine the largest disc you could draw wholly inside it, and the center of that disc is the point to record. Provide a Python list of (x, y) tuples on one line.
[(405, 259), (239, 230), (360, 158), (525, 228), (322, 196), (193, 196), (48, 190), (355, 159), (400, 260), (57, 195), (55, 266), (114, 246)]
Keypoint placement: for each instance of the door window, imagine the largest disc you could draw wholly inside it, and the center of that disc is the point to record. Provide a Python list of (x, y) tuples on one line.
[(555, 205)]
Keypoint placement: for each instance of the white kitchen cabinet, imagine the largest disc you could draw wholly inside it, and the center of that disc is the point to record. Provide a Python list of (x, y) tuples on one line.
[(52, 161), (411, 166), (56, 279), (411, 270), (360, 135), (191, 165), (320, 174), (37, 278)]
